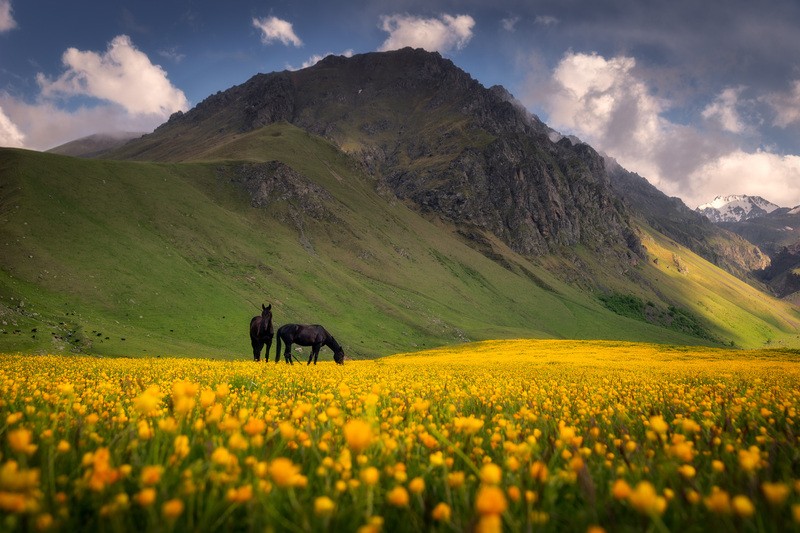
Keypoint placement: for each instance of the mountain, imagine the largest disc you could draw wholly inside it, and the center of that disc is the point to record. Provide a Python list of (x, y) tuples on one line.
[(431, 135), (94, 145), (778, 235), (674, 219), (736, 208), (387, 196)]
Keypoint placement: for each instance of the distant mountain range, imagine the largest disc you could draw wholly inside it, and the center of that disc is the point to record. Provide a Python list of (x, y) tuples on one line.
[(94, 145), (775, 230), (736, 208), (389, 196)]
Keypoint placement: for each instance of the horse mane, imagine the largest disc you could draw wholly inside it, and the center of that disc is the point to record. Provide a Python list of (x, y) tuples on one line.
[(335, 346)]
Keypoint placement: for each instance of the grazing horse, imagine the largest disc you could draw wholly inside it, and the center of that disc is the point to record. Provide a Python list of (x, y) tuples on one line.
[(314, 336), (261, 333)]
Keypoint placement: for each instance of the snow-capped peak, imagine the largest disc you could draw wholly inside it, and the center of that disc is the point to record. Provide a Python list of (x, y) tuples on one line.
[(736, 207)]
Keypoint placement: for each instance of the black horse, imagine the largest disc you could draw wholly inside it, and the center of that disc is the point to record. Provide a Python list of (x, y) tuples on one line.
[(261, 333), (314, 336)]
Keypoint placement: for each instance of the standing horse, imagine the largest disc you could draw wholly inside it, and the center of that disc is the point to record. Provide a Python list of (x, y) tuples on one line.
[(314, 336), (261, 333)]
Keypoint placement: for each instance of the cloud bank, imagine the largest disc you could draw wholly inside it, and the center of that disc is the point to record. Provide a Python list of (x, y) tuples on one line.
[(122, 88), (609, 104), (274, 29), (442, 34)]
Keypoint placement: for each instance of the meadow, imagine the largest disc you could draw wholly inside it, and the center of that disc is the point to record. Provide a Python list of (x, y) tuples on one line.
[(518, 435)]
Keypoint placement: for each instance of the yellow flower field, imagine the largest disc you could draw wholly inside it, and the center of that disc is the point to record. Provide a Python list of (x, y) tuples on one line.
[(517, 435)]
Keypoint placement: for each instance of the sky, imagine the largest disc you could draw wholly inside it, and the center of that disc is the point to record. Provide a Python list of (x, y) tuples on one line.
[(700, 98)]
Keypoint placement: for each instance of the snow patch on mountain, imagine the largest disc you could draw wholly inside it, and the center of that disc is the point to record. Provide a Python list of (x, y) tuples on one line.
[(736, 207)]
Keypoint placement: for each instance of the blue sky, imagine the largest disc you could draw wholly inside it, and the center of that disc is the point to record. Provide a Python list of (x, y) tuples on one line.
[(701, 98)]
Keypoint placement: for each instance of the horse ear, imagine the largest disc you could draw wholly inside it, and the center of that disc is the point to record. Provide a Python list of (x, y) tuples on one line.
[(269, 307), (262, 307)]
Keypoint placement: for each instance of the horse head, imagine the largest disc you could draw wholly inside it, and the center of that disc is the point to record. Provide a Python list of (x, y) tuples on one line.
[(266, 312), (338, 356)]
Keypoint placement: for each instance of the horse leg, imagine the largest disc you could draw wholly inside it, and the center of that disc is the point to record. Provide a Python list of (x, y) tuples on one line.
[(315, 351), (257, 344), (287, 354), (268, 344)]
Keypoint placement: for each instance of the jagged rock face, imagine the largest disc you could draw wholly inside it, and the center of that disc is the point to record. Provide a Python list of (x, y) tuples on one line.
[(443, 142)]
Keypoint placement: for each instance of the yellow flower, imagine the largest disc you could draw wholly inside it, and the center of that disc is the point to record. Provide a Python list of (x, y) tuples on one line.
[(718, 501), (796, 513), (455, 479), (181, 446), (242, 494), (775, 493), (442, 512), (491, 474), (742, 506), (20, 441), (324, 506), (358, 435), (658, 424), (398, 497), (416, 485), (63, 446), (149, 401), (750, 459), (145, 497), (489, 523), (539, 472), (172, 509), (645, 499), (490, 500), (370, 476), (621, 490), (284, 472), (151, 474), (687, 471)]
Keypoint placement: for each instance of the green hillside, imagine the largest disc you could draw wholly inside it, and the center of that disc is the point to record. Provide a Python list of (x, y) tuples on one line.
[(133, 258)]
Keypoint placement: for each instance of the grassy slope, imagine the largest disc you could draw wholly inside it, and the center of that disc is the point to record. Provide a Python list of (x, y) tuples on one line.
[(175, 261)]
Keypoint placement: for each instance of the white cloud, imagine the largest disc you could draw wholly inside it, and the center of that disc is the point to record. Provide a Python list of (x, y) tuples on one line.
[(510, 24), (10, 136), (7, 21), (608, 104), (723, 110), (786, 106), (603, 101), (433, 34), (123, 75), (275, 29)]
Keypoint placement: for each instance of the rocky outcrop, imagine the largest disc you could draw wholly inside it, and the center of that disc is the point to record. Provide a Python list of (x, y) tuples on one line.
[(274, 182)]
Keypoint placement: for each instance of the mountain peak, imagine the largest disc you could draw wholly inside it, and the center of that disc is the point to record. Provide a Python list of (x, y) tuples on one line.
[(736, 208)]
